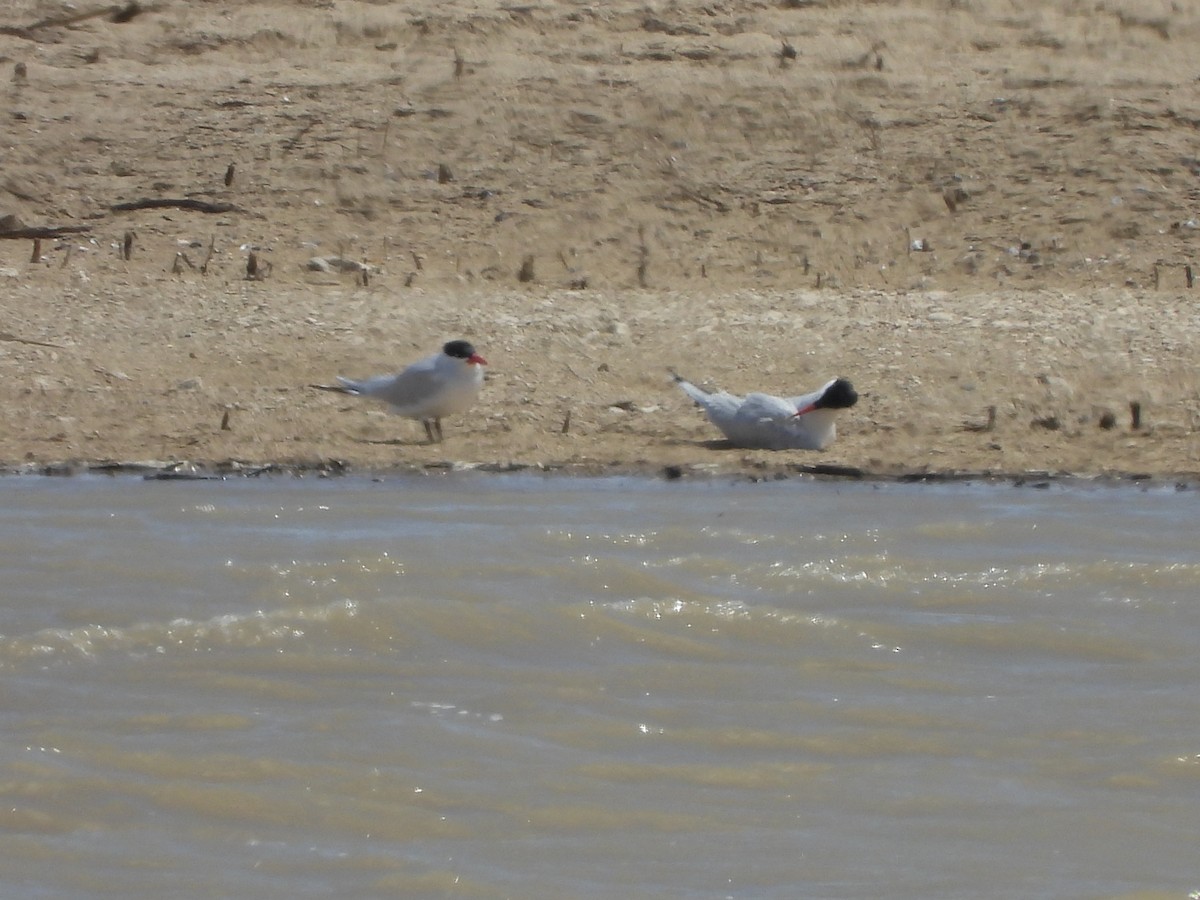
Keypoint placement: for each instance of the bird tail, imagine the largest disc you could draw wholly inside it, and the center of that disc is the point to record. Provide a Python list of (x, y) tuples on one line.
[(346, 386), (688, 388)]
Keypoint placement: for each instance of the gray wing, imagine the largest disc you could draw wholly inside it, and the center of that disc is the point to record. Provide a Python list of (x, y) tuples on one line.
[(763, 421), (766, 408), (770, 423), (407, 391)]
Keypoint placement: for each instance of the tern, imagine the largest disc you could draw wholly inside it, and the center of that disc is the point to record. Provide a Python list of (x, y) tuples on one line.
[(763, 422), (435, 387)]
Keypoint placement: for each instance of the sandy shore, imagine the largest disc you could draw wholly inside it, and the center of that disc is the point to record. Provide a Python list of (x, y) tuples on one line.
[(1002, 225)]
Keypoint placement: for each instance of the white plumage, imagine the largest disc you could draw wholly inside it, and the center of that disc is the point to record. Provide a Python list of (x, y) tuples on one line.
[(765, 422), (441, 385)]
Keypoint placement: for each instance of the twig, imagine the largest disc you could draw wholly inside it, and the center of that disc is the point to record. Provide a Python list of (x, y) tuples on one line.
[(577, 375), (212, 244), (294, 141), (643, 257), (696, 196), (7, 336), (49, 231), (117, 14), (176, 203)]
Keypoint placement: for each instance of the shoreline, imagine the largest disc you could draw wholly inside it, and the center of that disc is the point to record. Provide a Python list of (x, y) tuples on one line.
[(578, 382), (227, 470)]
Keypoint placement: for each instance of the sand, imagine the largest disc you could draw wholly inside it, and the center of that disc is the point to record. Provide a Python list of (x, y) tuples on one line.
[(960, 206)]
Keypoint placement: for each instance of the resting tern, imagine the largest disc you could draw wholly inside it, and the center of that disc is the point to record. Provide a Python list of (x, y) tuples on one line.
[(763, 422), (440, 385)]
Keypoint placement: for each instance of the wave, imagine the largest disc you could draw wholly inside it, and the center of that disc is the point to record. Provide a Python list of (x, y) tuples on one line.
[(258, 629)]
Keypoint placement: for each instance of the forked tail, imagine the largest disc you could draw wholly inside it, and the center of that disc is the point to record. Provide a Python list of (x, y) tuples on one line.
[(688, 388), (346, 387)]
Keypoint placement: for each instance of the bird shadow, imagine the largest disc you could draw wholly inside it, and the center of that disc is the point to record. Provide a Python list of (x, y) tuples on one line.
[(719, 444)]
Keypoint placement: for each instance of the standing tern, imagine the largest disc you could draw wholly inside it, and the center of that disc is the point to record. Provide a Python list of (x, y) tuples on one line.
[(440, 385), (763, 422)]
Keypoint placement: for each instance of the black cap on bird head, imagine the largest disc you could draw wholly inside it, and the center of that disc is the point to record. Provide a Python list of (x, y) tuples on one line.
[(463, 350), (839, 395)]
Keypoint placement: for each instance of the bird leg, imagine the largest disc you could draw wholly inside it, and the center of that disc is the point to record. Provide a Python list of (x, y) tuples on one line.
[(433, 430)]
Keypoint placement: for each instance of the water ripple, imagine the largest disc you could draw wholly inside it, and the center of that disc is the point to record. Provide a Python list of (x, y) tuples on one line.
[(270, 629)]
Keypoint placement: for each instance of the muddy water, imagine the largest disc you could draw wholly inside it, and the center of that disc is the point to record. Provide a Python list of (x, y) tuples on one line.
[(482, 686)]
